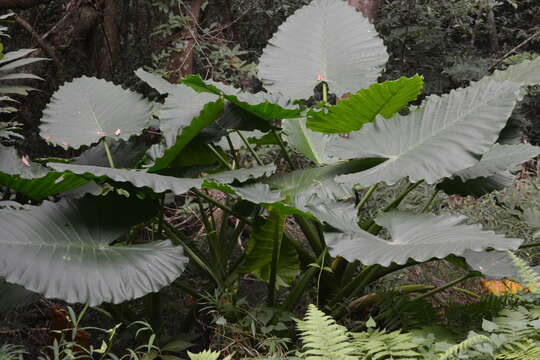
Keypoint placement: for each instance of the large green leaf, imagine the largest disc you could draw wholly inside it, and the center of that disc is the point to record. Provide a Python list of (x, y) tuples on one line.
[(161, 183), (182, 105), (329, 40), (524, 73), (494, 265), (500, 158), (87, 109), (319, 180), (65, 250), (308, 143), (210, 113), (243, 175), (446, 135), (417, 237), (490, 173), (264, 237), (125, 154), (138, 178), (266, 106), (32, 179), (234, 118), (363, 107)]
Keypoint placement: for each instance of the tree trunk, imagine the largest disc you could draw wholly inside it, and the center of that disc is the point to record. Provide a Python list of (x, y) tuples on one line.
[(181, 62), (105, 44), (369, 8), (493, 36)]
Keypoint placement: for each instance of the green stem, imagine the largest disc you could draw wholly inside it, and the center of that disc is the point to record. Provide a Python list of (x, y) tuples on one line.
[(276, 250), (233, 150), (325, 92), (394, 204), (154, 301), (108, 152), (188, 290), (311, 233), (446, 286), (178, 238), (367, 196), (250, 148), (305, 256), (430, 201), (371, 299), (300, 287), (284, 149), (528, 246), (221, 206), (467, 292), (219, 157), (357, 283), (372, 227)]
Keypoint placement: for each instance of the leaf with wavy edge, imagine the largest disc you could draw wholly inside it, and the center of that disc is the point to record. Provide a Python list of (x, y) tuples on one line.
[(243, 175), (87, 109), (210, 113), (320, 180), (138, 178), (308, 143), (63, 250), (494, 265), (32, 179), (500, 158), (490, 173), (327, 39), (444, 136), (526, 73), (477, 187), (161, 183), (181, 106), (417, 237), (351, 114), (266, 106)]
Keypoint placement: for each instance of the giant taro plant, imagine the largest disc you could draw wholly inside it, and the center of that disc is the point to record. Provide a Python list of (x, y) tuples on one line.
[(79, 240)]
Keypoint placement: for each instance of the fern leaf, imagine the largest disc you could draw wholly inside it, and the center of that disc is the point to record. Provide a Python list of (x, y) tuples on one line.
[(380, 345), (465, 345), (204, 355), (323, 338), (530, 277)]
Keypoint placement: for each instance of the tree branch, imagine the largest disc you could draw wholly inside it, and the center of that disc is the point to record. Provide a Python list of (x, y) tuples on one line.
[(49, 50)]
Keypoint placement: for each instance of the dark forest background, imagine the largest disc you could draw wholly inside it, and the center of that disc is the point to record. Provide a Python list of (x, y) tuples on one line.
[(449, 42)]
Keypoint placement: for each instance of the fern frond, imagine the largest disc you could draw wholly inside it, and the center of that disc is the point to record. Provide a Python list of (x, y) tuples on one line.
[(381, 345), (530, 277), (528, 351), (454, 351), (204, 355), (323, 338)]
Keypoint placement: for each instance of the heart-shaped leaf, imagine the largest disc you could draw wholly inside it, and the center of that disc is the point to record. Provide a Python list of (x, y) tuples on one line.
[(446, 135), (87, 109), (65, 250), (327, 40), (417, 237), (182, 105)]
